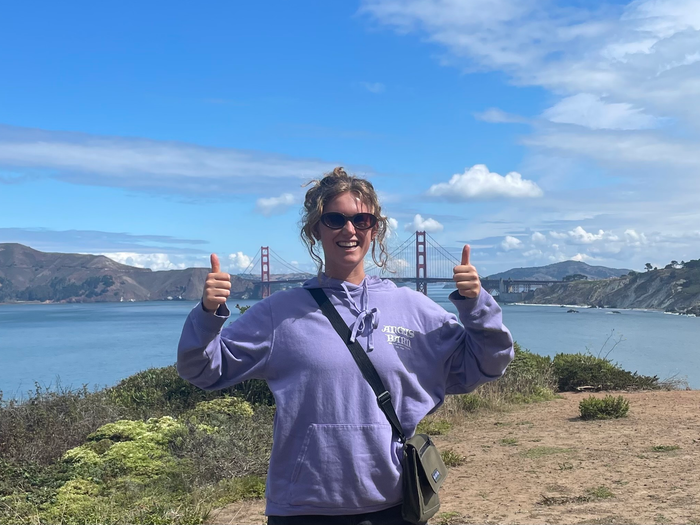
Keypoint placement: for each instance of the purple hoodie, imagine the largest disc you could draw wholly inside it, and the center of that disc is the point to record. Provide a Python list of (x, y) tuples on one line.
[(334, 451)]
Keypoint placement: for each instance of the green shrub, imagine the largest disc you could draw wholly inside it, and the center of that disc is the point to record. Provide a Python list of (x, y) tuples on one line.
[(433, 426), (451, 459), (38, 429), (608, 407), (529, 378), (469, 402), (586, 370), (158, 392)]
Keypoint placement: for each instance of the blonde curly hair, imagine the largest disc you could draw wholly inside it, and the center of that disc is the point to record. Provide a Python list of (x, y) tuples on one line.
[(322, 192)]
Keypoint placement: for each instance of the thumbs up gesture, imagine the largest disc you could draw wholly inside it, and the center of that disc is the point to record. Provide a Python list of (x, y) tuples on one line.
[(217, 286), (466, 276)]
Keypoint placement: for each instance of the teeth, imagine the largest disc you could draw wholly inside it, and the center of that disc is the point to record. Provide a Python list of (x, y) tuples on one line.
[(347, 244)]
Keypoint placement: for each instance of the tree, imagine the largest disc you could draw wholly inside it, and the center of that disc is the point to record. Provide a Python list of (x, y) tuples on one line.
[(648, 267), (575, 277)]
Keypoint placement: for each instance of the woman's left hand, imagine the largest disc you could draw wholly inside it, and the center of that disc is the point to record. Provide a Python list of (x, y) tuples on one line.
[(466, 276)]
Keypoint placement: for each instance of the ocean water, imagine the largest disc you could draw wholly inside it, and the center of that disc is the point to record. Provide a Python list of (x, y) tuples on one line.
[(100, 343)]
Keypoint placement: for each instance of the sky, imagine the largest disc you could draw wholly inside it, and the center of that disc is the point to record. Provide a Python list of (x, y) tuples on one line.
[(536, 131)]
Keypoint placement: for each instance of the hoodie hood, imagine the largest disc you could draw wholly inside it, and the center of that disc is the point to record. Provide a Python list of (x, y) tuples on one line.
[(357, 299)]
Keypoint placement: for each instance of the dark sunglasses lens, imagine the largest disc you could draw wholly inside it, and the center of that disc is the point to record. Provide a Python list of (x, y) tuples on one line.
[(335, 221), (364, 221)]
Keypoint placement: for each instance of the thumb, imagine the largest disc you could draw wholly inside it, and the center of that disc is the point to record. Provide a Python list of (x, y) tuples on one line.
[(465, 255), (215, 265)]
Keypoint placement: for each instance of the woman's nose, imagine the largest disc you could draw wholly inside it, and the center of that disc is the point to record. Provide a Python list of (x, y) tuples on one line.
[(349, 227)]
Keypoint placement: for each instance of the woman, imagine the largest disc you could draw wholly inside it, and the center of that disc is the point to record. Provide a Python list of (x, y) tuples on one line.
[(334, 456)]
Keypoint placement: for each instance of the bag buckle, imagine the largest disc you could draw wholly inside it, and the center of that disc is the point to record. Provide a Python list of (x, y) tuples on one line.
[(384, 398)]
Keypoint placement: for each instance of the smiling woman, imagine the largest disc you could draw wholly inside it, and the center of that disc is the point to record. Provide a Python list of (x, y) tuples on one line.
[(334, 452), (344, 245)]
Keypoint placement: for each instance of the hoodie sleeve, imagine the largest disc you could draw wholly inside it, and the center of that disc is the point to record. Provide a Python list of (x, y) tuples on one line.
[(483, 347), (212, 358)]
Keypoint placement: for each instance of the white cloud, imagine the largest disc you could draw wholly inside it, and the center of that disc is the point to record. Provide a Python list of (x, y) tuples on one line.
[(532, 253), (612, 67), (238, 262), (585, 109), (373, 87), (154, 261), (581, 257), (478, 182), (635, 239), (392, 226), (149, 164), (558, 235), (538, 238), (511, 243), (580, 235), (497, 116), (275, 205), (427, 225)]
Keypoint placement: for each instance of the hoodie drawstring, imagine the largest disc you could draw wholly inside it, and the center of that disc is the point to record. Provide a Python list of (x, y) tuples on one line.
[(358, 326)]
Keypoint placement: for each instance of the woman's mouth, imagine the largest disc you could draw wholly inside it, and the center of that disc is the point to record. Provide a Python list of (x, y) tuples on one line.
[(348, 244)]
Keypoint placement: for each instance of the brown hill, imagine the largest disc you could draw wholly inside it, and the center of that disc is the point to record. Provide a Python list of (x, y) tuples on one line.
[(669, 289), (30, 275)]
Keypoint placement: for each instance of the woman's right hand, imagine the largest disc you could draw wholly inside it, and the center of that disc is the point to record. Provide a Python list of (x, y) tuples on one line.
[(217, 287)]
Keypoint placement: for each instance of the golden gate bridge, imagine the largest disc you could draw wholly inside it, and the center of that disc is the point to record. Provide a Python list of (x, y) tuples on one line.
[(419, 259)]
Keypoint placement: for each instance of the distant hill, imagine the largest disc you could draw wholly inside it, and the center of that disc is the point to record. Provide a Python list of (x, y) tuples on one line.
[(557, 272), (670, 289), (30, 275)]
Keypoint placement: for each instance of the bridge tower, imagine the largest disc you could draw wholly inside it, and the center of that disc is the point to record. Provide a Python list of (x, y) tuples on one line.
[(265, 271), (421, 266)]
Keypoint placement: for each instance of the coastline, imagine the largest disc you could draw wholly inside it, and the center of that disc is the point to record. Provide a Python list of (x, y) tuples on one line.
[(588, 307)]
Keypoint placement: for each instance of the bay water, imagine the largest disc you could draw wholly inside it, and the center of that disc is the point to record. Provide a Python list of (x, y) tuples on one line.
[(98, 344)]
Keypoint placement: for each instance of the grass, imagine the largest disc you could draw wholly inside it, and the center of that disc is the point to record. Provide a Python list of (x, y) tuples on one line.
[(595, 493), (664, 448), (452, 459), (433, 426), (509, 442), (448, 518), (600, 492), (540, 452)]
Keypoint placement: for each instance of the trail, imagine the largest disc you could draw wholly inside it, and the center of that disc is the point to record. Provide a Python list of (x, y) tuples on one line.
[(540, 464)]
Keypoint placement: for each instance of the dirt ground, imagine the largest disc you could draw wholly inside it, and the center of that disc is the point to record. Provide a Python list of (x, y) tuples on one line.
[(541, 464)]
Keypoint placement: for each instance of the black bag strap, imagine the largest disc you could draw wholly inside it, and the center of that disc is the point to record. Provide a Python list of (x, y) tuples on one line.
[(362, 360)]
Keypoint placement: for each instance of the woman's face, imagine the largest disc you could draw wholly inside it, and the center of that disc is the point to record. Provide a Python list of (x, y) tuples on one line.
[(345, 249)]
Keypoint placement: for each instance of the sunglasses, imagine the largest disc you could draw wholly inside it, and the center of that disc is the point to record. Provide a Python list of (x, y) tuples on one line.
[(336, 220)]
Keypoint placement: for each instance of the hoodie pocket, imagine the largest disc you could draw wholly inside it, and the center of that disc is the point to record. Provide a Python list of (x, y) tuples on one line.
[(346, 466)]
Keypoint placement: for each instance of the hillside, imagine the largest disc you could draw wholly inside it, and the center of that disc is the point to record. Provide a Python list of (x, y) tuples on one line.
[(557, 271), (671, 289), (30, 275)]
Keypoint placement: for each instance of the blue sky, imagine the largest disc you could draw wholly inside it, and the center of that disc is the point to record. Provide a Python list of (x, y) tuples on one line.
[(535, 130)]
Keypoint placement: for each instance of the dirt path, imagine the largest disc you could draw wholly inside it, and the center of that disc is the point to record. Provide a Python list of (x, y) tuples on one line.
[(541, 464)]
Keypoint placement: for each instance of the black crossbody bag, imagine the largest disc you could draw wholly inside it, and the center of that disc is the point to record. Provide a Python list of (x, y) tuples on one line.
[(423, 468)]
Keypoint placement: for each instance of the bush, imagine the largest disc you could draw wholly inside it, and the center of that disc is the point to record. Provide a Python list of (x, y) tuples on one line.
[(157, 392), (608, 407), (529, 378), (38, 429), (586, 370)]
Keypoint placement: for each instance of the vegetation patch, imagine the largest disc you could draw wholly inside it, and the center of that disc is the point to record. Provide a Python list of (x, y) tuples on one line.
[(434, 426), (591, 494), (577, 371), (539, 452), (664, 448), (448, 518), (509, 441), (609, 407), (451, 458)]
